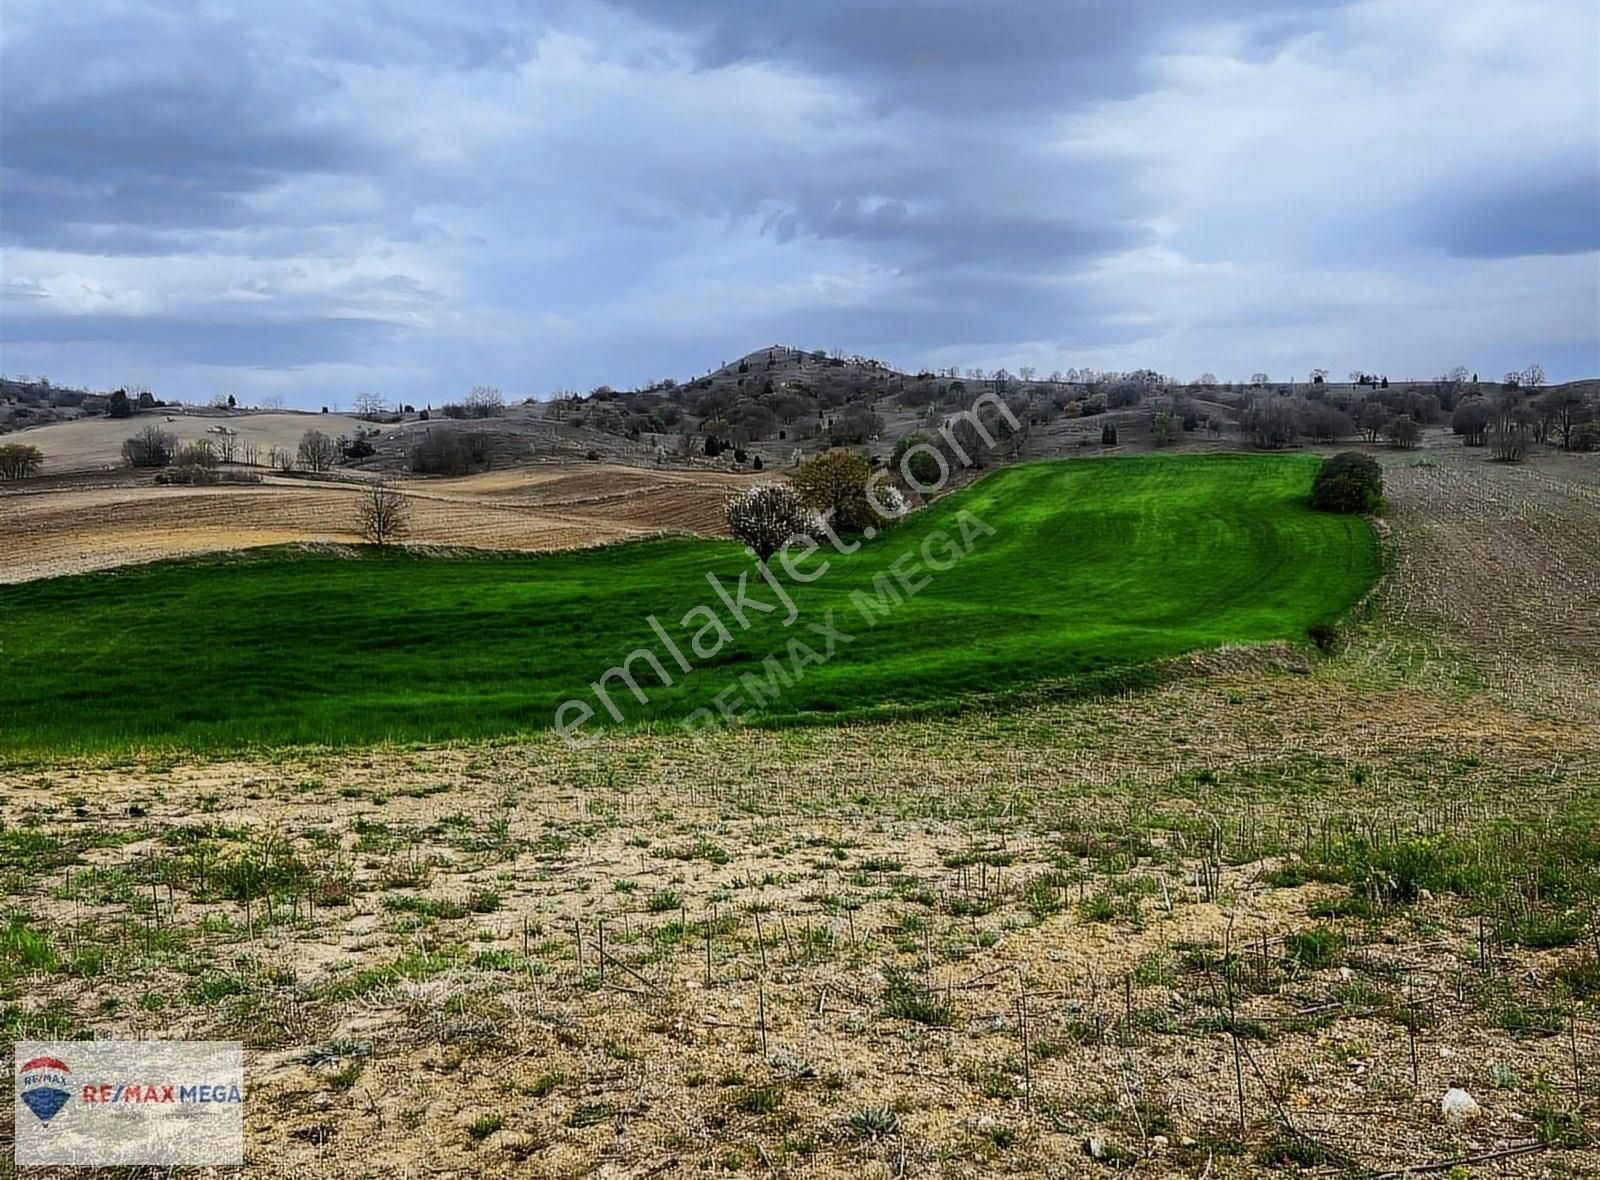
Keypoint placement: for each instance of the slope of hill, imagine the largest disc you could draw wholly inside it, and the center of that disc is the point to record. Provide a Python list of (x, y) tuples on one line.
[(1166, 555)]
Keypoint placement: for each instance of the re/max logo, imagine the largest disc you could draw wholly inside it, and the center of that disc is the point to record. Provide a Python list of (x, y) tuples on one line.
[(137, 1092)]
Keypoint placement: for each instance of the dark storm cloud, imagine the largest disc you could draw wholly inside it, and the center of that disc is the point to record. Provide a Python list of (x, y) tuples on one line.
[(1555, 211), (155, 123), (581, 191), (273, 344), (958, 55)]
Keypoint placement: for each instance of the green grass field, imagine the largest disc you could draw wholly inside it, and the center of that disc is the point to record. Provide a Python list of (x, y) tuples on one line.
[(1091, 566)]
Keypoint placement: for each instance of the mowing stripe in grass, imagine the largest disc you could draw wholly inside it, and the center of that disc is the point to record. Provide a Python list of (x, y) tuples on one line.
[(1092, 566)]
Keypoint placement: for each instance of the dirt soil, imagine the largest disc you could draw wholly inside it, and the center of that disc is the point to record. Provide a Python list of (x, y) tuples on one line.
[(78, 523), (1083, 938)]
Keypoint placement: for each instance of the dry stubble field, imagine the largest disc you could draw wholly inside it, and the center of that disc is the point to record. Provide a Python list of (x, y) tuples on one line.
[(86, 523), (1255, 921)]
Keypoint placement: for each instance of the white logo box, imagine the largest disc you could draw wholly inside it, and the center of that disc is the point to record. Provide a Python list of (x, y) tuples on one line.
[(129, 1102)]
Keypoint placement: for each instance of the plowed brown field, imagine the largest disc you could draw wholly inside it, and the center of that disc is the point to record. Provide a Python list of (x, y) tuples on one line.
[(61, 529)]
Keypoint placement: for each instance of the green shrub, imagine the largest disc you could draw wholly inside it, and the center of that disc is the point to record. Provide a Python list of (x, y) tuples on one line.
[(1320, 946), (1348, 482), (923, 467), (905, 997), (24, 949)]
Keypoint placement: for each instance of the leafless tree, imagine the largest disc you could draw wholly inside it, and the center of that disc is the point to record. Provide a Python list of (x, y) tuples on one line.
[(272, 401), (151, 447), (485, 402), (1564, 409), (369, 404), (1509, 442), (317, 452), (1533, 376), (1471, 421), (18, 461), (382, 514), (1270, 423), (1403, 433), (1374, 417)]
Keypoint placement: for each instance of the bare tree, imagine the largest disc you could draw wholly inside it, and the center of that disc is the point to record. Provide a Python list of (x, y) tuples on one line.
[(485, 401), (1533, 376), (272, 402), (382, 514), (1564, 409), (1471, 421), (151, 447), (1270, 423), (317, 452), (1374, 417), (1509, 442), (1403, 433), (369, 404), (18, 461)]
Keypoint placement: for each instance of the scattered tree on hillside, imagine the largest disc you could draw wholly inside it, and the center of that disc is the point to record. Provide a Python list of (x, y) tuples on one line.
[(19, 461), (921, 467), (837, 481), (151, 447), (317, 452), (382, 514), (1471, 421), (118, 405), (1402, 432), (1533, 376), (1374, 417), (1269, 423), (1508, 442), (369, 404), (767, 515), (1348, 482), (1564, 409), (856, 424), (485, 401), (1108, 434), (1327, 424)]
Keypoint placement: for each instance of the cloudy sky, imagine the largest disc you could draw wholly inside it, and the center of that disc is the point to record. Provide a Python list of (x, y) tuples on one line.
[(311, 199)]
